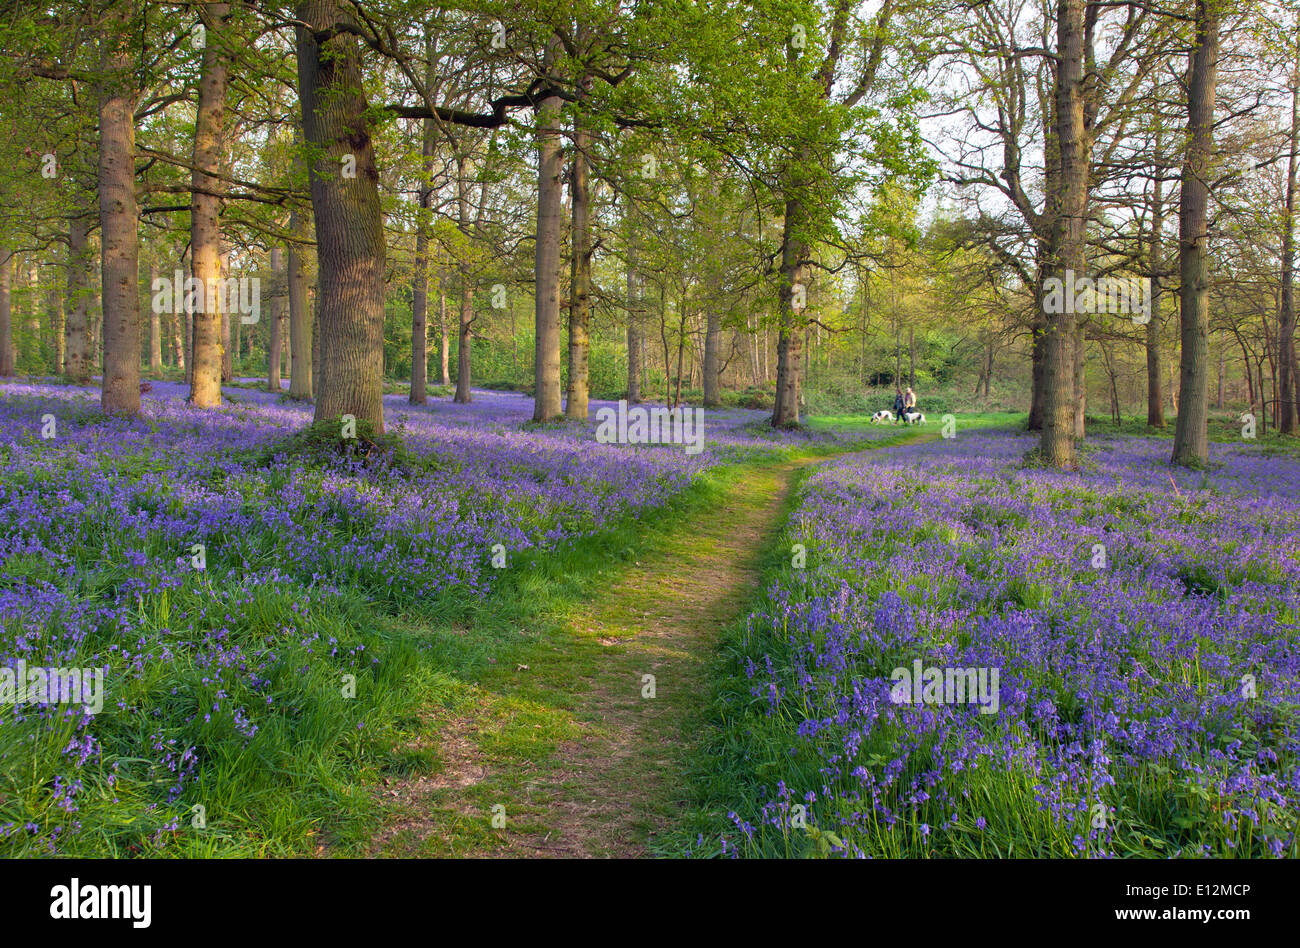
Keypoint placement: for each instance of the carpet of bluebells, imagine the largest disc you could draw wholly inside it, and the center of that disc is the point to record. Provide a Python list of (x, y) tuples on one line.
[(1145, 624), (232, 667)]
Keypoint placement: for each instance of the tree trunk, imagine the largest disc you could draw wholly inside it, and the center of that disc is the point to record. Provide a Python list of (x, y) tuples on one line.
[(230, 326), (6, 314), (1191, 435), (77, 365), (1287, 381), (54, 302), (1038, 353), (420, 279), (580, 271), (465, 341), (187, 325), (155, 330), (34, 348), (785, 412), (1057, 438), (315, 341), (1155, 393), (546, 363), (118, 219), (274, 343), (1080, 382), (445, 340), (712, 397), (635, 339), (209, 358), (300, 315), (349, 219), (464, 335), (177, 343)]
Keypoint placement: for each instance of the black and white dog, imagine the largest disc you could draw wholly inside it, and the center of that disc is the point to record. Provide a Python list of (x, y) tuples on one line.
[(882, 416), (913, 417)]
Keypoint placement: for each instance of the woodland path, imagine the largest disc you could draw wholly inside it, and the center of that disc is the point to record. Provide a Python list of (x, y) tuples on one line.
[(603, 769)]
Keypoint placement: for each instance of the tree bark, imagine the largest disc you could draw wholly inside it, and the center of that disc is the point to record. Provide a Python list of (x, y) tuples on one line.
[(208, 356), (546, 363), (465, 324), (155, 330), (300, 315), (1080, 381), (579, 271), (77, 350), (1038, 353), (315, 341), (420, 279), (785, 412), (274, 342), (444, 358), (6, 314), (465, 342), (350, 248), (178, 332), (1057, 438), (1155, 378), (1191, 434), (1287, 381), (54, 302), (118, 218), (635, 338), (709, 369)]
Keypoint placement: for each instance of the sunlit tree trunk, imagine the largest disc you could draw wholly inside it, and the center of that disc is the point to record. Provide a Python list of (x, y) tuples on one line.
[(208, 355), (119, 217)]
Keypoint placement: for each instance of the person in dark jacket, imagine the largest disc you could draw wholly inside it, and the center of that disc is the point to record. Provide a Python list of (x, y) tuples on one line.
[(898, 405)]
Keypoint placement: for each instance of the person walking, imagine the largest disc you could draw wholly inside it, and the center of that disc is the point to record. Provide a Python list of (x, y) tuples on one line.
[(909, 400), (899, 404)]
